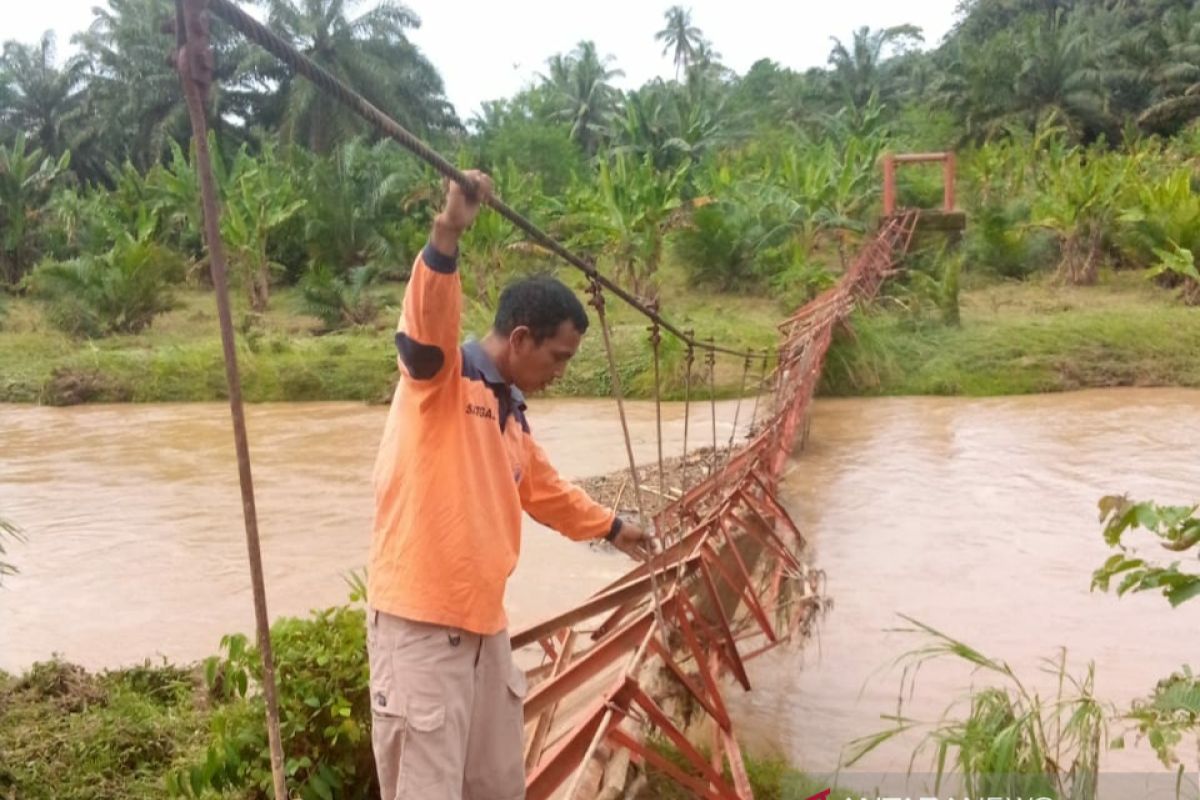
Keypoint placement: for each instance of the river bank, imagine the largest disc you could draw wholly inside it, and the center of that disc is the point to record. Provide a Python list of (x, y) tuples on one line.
[(1014, 338)]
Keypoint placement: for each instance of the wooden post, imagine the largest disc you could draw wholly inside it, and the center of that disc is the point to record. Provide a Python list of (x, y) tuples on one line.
[(948, 169), (889, 185)]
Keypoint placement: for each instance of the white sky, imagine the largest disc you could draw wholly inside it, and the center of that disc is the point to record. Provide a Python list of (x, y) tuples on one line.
[(490, 49)]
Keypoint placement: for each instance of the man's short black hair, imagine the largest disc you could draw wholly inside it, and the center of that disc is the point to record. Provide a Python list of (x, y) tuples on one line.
[(541, 304)]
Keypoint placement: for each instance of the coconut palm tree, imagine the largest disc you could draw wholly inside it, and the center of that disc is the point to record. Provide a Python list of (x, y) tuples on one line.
[(1056, 77), (133, 101), (680, 36), (371, 52), (583, 96), (858, 68), (41, 100)]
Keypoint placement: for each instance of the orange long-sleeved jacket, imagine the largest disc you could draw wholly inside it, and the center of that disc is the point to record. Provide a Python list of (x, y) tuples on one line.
[(456, 466)]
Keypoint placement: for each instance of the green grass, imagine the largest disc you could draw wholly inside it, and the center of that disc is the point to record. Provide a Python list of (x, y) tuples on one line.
[(66, 734), (1015, 338), (282, 354), (1020, 338), (69, 735)]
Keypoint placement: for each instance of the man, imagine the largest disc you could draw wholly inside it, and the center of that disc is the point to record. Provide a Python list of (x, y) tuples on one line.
[(456, 467)]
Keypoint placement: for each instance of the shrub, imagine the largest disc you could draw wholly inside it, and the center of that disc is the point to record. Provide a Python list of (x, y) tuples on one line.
[(1000, 241), (121, 291), (717, 247), (324, 710), (340, 302)]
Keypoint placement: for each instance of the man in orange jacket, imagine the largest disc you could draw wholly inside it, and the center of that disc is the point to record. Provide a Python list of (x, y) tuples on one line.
[(456, 467)]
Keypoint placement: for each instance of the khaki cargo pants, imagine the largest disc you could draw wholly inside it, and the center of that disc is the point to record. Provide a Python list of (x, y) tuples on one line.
[(446, 712)]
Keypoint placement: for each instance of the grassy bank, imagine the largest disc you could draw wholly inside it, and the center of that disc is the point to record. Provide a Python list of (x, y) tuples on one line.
[(66, 734), (1014, 338), (284, 355), (1019, 338)]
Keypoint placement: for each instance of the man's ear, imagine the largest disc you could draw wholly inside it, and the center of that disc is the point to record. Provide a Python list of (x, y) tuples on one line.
[(520, 335)]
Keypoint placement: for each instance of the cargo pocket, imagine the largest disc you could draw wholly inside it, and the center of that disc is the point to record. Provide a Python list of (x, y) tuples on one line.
[(408, 730), (506, 767), (387, 720), (518, 687), (426, 763)]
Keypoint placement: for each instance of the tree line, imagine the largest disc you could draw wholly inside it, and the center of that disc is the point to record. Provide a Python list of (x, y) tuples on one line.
[(758, 181)]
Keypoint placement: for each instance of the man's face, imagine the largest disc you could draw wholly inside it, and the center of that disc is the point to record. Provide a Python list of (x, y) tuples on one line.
[(536, 365)]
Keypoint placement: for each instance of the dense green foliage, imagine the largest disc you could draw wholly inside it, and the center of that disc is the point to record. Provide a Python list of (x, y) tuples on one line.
[(324, 712), (763, 182)]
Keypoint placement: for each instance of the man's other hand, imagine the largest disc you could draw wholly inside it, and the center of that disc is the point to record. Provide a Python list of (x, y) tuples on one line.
[(635, 542)]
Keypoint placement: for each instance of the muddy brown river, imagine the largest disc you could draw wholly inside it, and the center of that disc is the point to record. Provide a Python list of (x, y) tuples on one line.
[(977, 517)]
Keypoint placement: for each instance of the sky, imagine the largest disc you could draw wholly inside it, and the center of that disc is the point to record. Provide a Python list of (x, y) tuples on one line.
[(492, 48)]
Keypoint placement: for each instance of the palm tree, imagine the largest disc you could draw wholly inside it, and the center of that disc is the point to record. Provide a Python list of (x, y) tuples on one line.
[(133, 100), (1176, 77), (1056, 78), (681, 36), (672, 124), (371, 52), (41, 100), (858, 69), (584, 98)]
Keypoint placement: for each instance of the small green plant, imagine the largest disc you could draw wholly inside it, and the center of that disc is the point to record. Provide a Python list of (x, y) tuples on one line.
[(999, 240), (324, 709), (10, 531), (1172, 710), (1009, 740), (1178, 530), (1169, 713), (718, 245), (121, 291), (796, 278), (341, 302), (932, 281), (1178, 265)]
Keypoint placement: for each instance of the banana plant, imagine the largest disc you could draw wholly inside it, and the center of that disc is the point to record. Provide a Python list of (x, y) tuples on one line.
[(626, 215), (1160, 212), (261, 197), (1180, 265), (26, 177), (1079, 202), (173, 192), (823, 190)]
